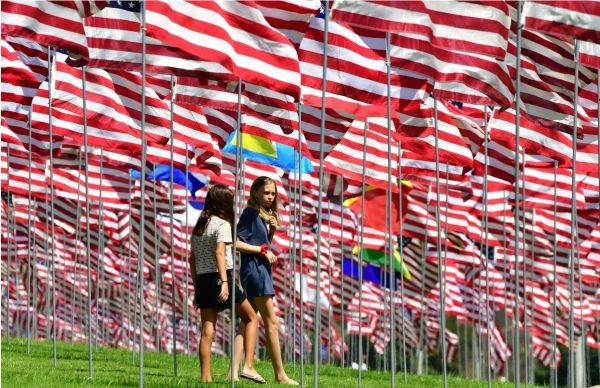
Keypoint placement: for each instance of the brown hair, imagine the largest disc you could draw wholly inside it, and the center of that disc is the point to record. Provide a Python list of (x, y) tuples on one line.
[(219, 202), (254, 201)]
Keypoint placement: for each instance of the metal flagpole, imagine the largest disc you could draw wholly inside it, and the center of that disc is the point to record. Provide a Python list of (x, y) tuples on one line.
[(573, 221), (554, 370), (101, 287), (130, 309), (297, 224), (156, 266), (400, 202), (361, 254), (517, 318), (505, 271), (51, 61), (238, 181), (142, 195), (598, 154), (87, 227), (439, 243), (29, 244), (486, 240), (389, 211), (301, 260), (317, 338), (47, 261), (9, 249), (186, 312), (422, 341), (342, 276), (77, 236), (329, 312), (171, 152)]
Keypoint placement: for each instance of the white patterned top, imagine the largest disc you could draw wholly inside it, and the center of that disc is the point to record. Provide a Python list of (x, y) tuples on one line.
[(217, 230)]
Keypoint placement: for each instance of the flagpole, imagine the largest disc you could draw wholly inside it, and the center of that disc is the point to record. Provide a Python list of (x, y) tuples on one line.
[(87, 226), (329, 320), (505, 272), (317, 341), (290, 355), (142, 194), (361, 254), (300, 193), (516, 346), (486, 240), (29, 244), (342, 276), (389, 209), (172, 253), (598, 154), (238, 181), (554, 369), (573, 220), (46, 263), (422, 342), (101, 287), (156, 266), (9, 244), (77, 231), (51, 60), (186, 308), (439, 243), (401, 245), (129, 283)]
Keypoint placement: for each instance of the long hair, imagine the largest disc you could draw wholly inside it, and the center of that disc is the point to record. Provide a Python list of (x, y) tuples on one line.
[(254, 200), (219, 202)]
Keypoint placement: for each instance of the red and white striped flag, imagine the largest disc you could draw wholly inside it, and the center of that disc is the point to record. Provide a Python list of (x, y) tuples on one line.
[(231, 33)]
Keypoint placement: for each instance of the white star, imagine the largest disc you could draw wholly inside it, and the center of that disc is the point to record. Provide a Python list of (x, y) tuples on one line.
[(131, 4)]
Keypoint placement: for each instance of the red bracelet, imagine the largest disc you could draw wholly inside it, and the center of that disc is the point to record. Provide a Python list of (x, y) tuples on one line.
[(264, 248)]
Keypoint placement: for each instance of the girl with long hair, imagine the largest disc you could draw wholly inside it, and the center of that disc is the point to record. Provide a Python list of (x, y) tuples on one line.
[(257, 226), (211, 266)]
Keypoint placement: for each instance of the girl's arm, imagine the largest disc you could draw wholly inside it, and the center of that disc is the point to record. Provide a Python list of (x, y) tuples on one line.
[(192, 261), (221, 261), (247, 248), (243, 247)]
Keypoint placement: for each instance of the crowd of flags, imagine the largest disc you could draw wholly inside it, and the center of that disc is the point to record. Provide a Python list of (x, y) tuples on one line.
[(389, 129)]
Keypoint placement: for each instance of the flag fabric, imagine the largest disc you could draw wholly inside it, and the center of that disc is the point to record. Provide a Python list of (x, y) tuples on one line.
[(246, 46)]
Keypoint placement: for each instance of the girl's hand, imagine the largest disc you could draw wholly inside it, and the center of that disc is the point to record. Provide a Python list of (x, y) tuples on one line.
[(272, 222), (224, 295), (271, 258)]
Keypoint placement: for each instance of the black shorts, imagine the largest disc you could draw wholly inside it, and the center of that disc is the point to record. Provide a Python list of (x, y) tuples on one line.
[(206, 293)]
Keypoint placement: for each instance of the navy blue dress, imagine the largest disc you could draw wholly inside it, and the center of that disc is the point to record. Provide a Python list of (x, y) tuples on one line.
[(255, 272)]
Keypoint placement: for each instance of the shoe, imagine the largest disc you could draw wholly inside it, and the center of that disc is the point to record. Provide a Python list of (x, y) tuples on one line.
[(253, 377)]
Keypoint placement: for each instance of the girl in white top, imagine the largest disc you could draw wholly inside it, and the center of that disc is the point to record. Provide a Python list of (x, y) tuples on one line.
[(211, 265)]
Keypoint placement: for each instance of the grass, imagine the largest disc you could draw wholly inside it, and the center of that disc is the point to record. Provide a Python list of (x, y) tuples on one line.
[(114, 367)]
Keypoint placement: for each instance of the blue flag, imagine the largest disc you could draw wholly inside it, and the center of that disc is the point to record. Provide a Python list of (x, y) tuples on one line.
[(163, 172)]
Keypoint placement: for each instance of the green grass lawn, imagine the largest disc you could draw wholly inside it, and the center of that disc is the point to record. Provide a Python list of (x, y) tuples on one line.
[(114, 367)]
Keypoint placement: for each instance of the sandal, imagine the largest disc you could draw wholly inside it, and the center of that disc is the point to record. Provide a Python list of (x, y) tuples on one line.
[(256, 378)]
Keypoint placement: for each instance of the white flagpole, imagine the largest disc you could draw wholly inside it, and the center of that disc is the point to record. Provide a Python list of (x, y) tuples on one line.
[(172, 253), (390, 244), (317, 338), (361, 254), (51, 60), (439, 243), (239, 179), (87, 227), (517, 317), (142, 196), (573, 223)]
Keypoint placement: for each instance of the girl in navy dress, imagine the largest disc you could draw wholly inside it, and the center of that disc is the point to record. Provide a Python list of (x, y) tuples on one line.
[(256, 227)]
